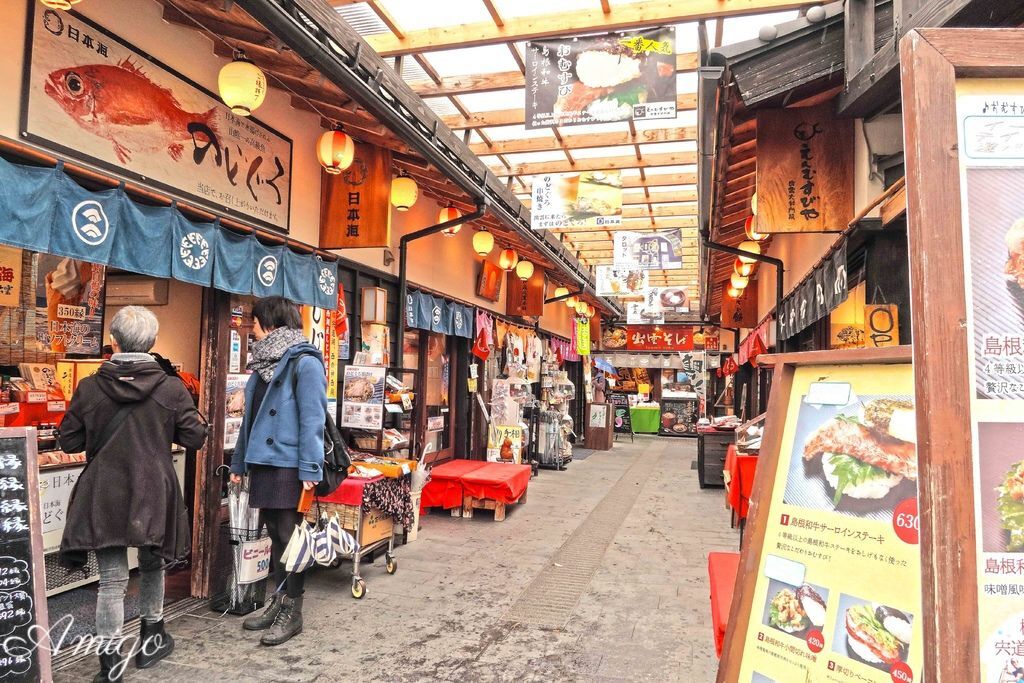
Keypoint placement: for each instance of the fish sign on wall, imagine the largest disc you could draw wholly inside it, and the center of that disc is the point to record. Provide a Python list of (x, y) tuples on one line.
[(89, 94)]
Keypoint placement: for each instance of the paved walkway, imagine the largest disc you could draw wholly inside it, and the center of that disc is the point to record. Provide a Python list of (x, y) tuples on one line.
[(601, 576)]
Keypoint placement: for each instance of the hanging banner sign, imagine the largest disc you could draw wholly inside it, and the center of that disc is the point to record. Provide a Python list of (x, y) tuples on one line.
[(881, 325), (657, 250), (355, 210), (612, 281), (10, 277), (94, 96), (597, 79), (638, 313), (583, 337), (739, 311), (667, 300), (659, 338), (585, 200), (816, 297), (526, 298)]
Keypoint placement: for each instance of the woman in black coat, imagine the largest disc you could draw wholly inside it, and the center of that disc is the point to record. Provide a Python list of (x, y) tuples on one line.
[(125, 418)]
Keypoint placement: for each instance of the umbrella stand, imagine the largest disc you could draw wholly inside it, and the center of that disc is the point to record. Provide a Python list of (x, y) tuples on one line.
[(243, 525)]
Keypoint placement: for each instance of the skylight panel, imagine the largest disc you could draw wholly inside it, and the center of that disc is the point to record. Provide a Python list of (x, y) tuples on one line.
[(363, 20), (479, 60), (490, 101), (414, 15)]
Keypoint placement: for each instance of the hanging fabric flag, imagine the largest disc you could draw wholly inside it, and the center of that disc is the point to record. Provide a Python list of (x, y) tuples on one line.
[(232, 266), (27, 201), (481, 349), (325, 283), (298, 275), (141, 245), (267, 279), (193, 249), (459, 321), (438, 315), (84, 222)]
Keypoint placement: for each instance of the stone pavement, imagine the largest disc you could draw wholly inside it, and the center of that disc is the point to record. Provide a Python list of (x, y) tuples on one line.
[(635, 597)]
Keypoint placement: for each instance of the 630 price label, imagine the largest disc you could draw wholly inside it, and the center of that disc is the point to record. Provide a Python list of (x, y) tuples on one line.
[(906, 522)]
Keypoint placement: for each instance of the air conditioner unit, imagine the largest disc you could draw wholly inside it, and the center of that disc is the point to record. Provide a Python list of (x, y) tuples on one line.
[(136, 291)]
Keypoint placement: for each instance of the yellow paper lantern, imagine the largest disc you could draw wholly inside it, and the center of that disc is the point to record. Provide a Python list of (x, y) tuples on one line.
[(733, 292), (753, 203), (581, 308), (741, 268), (60, 4), (404, 192), (561, 291), (750, 227), (524, 270), (242, 85), (335, 150), (483, 243), (449, 213), (738, 281), (750, 247), (508, 259), (591, 311), (571, 302)]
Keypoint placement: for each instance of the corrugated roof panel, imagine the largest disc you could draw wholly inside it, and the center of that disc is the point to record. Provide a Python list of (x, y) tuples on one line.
[(413, 15), (363, 20)]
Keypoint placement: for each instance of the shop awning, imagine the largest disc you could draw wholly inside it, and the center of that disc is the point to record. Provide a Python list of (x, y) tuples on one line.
[(45, 210), (426, 312)]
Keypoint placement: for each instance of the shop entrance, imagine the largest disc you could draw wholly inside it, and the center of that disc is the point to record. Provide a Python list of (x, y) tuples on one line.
[(433, 353)]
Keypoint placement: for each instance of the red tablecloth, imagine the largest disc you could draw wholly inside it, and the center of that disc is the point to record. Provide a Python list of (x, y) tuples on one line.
[(741, 482), (351, 491), (503, 482), (445, 486), (722, 568)]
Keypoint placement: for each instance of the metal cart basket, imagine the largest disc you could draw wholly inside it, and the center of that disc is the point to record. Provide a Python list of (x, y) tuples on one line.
[(372, 530)]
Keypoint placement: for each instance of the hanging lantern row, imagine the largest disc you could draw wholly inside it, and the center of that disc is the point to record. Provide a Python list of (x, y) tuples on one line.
[(750, 227)]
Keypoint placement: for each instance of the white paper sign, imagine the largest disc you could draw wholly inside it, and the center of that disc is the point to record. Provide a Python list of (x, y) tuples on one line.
[(254, 563)]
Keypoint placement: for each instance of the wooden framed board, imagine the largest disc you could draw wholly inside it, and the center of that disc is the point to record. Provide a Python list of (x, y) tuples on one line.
[(830, 549)]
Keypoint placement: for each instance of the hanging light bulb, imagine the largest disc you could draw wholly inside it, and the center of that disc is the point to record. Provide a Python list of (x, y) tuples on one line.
[(741, 268), (335, 150), (581, 308), (750, 247), (750, 227), (483, 243), (753, 203), (571, 301), (561, 291), (738, 281), (524, 270), (60, 4), (449, 213), (733, 292), (508, 259), (404, 192), (591, 310), (242, 85)]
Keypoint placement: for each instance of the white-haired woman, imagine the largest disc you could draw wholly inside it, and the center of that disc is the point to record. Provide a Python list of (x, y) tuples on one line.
[(125, 418)]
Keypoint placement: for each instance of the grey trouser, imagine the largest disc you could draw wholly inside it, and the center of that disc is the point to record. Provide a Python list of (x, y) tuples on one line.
[(113, 563)]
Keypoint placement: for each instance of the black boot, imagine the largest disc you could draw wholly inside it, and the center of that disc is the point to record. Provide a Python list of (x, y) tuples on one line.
[(287, 624), (112, 666), (263, 620), (154, 644)]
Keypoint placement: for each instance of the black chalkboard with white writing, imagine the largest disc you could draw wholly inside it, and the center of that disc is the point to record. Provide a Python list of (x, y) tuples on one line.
[(621, 423), (22, 578)]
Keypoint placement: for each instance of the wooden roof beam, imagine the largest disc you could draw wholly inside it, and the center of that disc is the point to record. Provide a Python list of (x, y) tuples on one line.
[(599, 164), (587, 141), (660, 180), (621, 17), (513, 117), (642, 224)]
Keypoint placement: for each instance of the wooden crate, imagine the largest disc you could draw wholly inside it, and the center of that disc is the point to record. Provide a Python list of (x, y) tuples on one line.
[(376, 524), (470, 503)]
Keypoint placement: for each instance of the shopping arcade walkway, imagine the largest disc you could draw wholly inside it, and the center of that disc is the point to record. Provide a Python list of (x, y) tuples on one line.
[(445, 615)]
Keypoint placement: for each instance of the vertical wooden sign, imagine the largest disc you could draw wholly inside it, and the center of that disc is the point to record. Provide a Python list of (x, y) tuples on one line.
[(804, 170), (526, 298), (740, 311), (355, 207)]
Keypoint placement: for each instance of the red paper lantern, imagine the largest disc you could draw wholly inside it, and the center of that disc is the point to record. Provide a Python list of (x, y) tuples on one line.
[(335, 150)]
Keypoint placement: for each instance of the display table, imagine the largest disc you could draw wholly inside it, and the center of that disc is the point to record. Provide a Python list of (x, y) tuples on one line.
[(494, 486), (350, 492), (444, 490), (722, 568), (646, 420)]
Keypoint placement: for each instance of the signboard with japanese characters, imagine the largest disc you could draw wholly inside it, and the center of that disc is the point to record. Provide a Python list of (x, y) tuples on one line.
[(598, 79), (69, 301), (355, 206), (659, 338), (656, 250), (740, 311), (362, 404), (612, 281), (583, 200), (833, 586), (10, 277), (92, 95), (638, 313), (526, 298), (804, 170), (583, 336)]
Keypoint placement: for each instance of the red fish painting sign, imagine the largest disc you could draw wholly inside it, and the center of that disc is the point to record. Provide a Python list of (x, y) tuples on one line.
[(91, 95)]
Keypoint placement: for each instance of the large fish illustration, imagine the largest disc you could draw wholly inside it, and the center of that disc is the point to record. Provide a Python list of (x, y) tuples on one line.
[(120, 103)]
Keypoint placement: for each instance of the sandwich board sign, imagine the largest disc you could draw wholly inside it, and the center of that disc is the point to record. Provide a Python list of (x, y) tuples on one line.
[(829, 585)]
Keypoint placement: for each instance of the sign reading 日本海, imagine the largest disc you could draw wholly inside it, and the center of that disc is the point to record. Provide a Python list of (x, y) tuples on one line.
[(92, 95)]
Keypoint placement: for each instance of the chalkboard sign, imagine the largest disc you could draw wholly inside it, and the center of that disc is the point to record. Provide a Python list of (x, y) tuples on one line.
[(622, 424), (22, 573), (679, 416)]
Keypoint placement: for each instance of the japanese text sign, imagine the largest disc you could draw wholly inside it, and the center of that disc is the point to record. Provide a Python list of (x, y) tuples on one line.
[(355, 209), (585, 200), (659, 338)]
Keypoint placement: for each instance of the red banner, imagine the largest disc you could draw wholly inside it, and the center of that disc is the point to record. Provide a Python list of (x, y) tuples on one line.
[(659, 338)]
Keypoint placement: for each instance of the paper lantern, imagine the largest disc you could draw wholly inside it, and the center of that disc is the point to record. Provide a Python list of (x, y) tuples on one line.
[(242, 85), (753, 203), (561, 291), (449, 213), (335, 150), (738, 281), (404, 192), (524, 270), (750, 247), (508, 259), (750, 227), (571, 301), (374, 305), (581, 308), (591, 311), (60, 4), (483, 242), (741, 268), (733, 292)]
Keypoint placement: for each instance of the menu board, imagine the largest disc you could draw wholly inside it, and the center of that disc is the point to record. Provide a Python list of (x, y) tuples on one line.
[(837, 592), (22, 576), (622, 423), (362, 404), (679, 416)]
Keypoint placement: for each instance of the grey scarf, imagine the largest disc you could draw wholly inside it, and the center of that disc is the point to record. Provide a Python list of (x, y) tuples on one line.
[(265, 354)]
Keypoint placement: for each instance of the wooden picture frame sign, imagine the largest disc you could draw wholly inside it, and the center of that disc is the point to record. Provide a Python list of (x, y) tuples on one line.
[(947, 321)]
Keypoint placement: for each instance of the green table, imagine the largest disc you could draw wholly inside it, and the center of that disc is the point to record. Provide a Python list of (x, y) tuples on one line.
[(645, 420)]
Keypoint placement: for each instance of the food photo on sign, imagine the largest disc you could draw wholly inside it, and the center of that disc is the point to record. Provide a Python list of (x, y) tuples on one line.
[(593, 79), (657, 250), (585, 200), (612, 281), (795, 610), (872, 634), (1001, 469)]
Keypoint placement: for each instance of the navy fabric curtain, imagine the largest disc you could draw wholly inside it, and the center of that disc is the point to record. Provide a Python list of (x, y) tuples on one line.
[(267, 279), (232, 263), (324, 283), (194, 247), (26, 205), (299, 271), (460, 320), (439, 315), (141, 244), (85, 223)]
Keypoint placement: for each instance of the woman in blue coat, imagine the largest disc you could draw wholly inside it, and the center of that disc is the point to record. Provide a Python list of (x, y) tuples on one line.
[(280, 446)]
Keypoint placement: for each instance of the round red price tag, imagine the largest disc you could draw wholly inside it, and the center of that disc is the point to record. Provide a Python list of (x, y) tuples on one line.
[(815, 641), (901, 673), (906, 522)]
